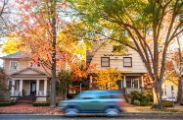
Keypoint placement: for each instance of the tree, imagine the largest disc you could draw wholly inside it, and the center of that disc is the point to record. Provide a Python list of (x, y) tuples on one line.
[(177, 67), (3, 85), (148, 27), (42, 15), (64, 81), (180, 73), (3, 5), (36, 37), (3, 17), (106, 79)]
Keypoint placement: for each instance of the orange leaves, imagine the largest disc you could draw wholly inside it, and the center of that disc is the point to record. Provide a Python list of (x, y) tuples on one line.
[(107, 79), (79, 70), (148, 83)]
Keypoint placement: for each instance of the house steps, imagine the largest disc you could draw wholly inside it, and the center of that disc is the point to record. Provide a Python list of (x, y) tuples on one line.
[(26, 100)]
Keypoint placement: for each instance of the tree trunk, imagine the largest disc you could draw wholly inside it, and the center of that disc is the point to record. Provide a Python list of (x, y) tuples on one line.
[(180, 91), (157, 95), (155, 99), (53, 70)]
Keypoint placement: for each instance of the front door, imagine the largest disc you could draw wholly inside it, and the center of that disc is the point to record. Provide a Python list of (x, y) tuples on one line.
[(33, 89)]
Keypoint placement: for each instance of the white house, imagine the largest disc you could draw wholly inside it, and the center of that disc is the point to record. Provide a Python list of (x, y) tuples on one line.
[(25, 79), (170, 90), (129, 63)]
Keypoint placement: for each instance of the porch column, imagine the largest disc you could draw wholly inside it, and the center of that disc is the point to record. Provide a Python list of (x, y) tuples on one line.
[(91, 80), (45, 87), (37, 88), (13, 88), (124, 83), (21, 88), (142, 83)]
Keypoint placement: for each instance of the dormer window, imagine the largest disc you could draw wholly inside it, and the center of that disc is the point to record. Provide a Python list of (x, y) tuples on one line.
[(105, 62), (127, 61), (14, 65)]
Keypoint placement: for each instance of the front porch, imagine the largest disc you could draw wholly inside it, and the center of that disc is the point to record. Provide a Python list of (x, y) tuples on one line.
[(132, 82), (34, 88), (29, 82), (129, 82)]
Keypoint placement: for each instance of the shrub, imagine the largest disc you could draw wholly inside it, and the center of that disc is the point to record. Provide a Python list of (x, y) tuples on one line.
[(135, 95), (149, 95), (136, 102), (167, 104), (144, 99), (8, 103), (41, 104)]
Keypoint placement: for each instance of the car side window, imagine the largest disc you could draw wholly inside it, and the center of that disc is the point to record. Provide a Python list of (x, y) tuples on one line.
[(109, 95), (86, 96)]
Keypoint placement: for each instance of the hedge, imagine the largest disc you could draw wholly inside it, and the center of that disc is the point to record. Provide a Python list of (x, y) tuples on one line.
[(8, 103), (140, 99), (167, 104), (41, 104)]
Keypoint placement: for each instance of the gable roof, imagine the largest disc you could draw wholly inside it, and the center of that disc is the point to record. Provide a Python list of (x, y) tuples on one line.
[(17, 55), (29, 72)]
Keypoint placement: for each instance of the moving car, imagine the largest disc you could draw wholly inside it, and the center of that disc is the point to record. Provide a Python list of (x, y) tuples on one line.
[(108, 102)]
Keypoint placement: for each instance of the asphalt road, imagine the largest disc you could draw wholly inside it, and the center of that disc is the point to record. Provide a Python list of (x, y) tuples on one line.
[(125, 116)]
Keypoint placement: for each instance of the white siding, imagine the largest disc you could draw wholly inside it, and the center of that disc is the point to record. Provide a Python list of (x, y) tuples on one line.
[(167, 90), (22, 64), (116, 61)]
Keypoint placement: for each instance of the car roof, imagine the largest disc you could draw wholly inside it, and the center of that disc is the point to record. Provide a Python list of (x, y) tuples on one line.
[(102, 91)]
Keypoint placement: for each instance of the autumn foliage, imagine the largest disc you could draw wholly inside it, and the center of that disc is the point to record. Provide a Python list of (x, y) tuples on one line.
[(106, 79)]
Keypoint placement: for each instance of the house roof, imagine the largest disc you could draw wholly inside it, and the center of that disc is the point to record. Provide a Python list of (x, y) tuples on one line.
[(29, 72), (16, 55)]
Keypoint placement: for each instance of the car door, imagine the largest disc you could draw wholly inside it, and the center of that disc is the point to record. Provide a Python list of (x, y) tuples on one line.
[(89, 103)]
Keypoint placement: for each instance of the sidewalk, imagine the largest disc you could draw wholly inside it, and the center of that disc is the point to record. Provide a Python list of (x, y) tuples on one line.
[(136, 109), (147, 109), (28, 109)]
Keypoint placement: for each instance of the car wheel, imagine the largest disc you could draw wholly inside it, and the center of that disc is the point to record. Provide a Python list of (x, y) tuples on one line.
[(71, 112), (112, 112)]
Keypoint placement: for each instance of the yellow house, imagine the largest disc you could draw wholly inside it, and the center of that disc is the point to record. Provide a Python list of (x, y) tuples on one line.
[(170, 90)]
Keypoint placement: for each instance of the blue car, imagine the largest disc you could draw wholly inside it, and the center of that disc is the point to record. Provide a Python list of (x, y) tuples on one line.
[(108, 102)]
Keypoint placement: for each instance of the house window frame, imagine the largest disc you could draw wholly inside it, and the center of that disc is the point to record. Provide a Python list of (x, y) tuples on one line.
[(34, 65), (132, 83), (11, 66), (124, 62), (105, 61)]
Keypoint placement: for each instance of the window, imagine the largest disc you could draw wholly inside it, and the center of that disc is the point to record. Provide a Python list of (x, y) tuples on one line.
[(10, 85), (34, 65), (132, 83), (172, 88), (86, 95), (105, 62), (127, 61), (14, 65)]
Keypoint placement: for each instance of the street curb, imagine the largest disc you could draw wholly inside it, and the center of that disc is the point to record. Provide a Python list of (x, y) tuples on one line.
[(123, 114), (12, 113)]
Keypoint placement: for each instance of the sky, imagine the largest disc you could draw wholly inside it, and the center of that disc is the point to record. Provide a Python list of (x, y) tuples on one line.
[(13, 18)]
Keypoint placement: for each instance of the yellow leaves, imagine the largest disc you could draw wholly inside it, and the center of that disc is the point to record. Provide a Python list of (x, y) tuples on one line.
[(68, 41), (107, 79), (12, 43)]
